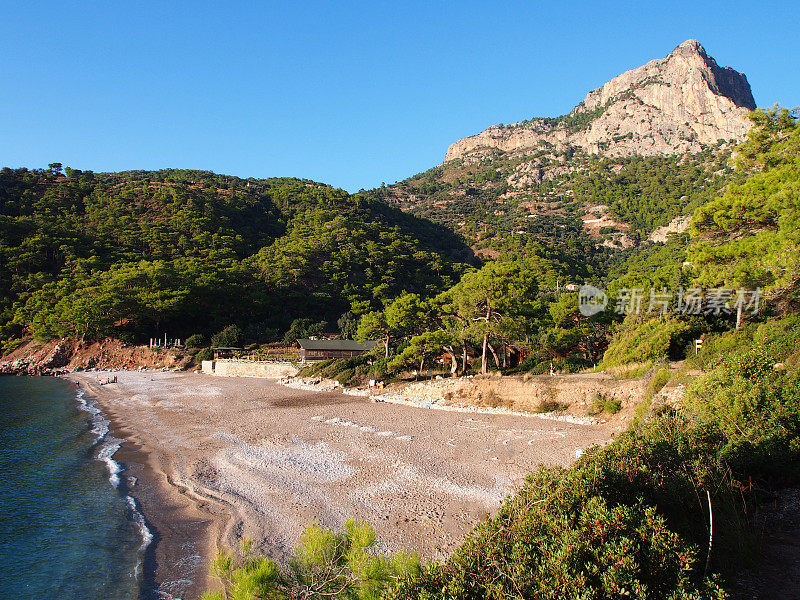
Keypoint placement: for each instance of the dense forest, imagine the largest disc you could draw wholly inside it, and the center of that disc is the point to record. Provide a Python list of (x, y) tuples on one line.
[(134, 254), (491, 198)]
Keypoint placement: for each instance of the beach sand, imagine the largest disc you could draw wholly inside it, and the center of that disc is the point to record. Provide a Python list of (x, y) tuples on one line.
[(216, 459)]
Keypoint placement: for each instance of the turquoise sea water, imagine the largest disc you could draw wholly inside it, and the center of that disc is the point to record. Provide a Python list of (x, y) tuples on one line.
[(68, 529)]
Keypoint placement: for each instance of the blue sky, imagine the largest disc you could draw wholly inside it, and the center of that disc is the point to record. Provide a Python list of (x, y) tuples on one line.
[(351, 94)]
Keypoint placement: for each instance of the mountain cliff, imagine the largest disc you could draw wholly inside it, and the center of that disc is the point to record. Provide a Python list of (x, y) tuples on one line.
[(670, 105), (636, 154)]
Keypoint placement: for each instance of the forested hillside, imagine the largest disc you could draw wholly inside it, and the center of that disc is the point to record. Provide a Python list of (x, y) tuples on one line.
[(488, 201), (134, 254)]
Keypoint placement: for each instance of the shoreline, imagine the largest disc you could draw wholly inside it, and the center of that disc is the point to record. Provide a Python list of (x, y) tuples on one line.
[(183, 536)]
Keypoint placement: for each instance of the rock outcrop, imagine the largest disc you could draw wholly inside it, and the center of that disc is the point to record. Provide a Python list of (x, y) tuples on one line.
[(67, 355), (677, 225), (676, 104)]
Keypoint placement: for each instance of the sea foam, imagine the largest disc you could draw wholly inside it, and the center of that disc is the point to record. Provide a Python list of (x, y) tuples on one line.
[(107, 446)]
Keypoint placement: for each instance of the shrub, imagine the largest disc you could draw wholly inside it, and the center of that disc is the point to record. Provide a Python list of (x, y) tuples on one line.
[(316, 368), (754, 395), (657, 382), (642, 342), (204, 354), (536, 366), (571, 364), (327, 564), (531, 363), (230, 337), (128, 337), (601, 403), (492, 399), (348, 371), (197, 340), (346, 377), (380, 368), (540, 369), (551, 405)]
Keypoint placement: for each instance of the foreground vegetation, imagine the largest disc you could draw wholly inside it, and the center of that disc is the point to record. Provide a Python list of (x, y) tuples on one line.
[(326, 564)]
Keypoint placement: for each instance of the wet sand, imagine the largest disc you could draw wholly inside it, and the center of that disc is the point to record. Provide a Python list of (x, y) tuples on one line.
[(216, 459)]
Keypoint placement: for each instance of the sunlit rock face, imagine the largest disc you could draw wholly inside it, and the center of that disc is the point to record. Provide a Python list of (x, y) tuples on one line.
[(671, 105)]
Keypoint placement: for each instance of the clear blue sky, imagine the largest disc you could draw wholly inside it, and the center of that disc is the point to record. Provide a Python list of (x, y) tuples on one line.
[(351, 94)]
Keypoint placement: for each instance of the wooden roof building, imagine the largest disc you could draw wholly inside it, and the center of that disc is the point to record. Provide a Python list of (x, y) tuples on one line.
[(225, 351), (327, 349)]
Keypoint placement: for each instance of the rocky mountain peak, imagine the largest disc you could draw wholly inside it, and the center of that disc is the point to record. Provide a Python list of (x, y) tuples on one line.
[(674, 104), (691, 48)]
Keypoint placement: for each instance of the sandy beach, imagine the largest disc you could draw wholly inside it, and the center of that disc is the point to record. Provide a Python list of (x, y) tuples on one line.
[(212, 459)]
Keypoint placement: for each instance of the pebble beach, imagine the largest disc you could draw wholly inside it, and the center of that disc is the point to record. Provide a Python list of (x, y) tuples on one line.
[(214, 459)]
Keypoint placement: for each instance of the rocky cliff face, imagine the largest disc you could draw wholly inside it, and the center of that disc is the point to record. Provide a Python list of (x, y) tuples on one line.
[(671, 105), (67, 355)]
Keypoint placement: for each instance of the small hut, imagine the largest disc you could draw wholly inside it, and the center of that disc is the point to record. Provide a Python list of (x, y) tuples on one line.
[(328, 349), (223, 352)]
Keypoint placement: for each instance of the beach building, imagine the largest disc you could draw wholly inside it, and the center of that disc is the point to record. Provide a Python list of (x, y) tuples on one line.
[(221, 352), (328, 349)]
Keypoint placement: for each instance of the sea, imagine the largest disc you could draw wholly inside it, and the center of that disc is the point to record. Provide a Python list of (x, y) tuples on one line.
[(69, 529)]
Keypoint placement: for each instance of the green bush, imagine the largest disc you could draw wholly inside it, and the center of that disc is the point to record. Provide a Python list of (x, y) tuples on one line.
[(347, 377), (753, 393), (197, 340), (535, 365), (204, 354), (657, 382), (327, 565), (571, 364), (642, 342), (230, 337), (716, 346), (540, 368), (602, 403), (380, 368), (315, 368), (531, 364), (348, 371)]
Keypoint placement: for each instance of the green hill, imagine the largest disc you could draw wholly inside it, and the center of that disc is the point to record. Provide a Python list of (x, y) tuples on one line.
[(128, 254)]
